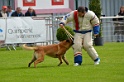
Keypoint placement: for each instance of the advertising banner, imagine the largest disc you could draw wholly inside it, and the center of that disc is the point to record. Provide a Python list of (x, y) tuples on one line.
[(25, 30), (2, 30)]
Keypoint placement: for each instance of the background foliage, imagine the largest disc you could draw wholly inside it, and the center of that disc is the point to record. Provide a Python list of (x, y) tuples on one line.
[(95, 6), (61, 34)]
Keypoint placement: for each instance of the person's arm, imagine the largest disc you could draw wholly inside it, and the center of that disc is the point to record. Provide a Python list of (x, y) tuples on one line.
[(0, 15), (13, 14), (95, 23), (67, 18), (35, 14), (26, 14)]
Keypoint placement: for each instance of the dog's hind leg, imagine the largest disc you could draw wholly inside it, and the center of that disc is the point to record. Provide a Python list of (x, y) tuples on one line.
[(33, 59), (63, 57), (39, 59)]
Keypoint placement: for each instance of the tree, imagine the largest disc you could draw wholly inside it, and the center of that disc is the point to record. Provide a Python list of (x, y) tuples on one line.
[(61, 34), (95, 6)]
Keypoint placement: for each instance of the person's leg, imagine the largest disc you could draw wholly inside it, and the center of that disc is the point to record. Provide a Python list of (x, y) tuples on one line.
[(118, 38), (88, 46), (77, 47), (122, 38)]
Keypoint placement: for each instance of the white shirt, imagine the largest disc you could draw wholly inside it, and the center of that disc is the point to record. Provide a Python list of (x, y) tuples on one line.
[(10, 13)]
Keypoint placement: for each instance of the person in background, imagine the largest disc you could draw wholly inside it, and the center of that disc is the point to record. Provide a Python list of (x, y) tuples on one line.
[(3, 12), (119, 27), (17, 13), (9, 11), (121, 13), (30, 12)]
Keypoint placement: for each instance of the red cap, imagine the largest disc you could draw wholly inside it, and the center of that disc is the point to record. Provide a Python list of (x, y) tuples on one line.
[(4, 7)]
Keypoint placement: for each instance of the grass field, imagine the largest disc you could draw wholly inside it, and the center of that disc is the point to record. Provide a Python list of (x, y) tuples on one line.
[(13, 66)]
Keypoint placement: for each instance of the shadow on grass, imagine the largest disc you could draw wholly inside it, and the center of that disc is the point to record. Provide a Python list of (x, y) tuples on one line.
[(38, 67), (45, 67)]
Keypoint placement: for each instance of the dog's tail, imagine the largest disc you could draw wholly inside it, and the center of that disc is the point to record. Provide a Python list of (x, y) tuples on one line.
[(29, 48)]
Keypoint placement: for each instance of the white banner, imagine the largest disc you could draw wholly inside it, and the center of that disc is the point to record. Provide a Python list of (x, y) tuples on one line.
[(2, 30), (25, 30)]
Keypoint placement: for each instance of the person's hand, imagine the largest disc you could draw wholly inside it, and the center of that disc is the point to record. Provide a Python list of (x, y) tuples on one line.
[(95, 35), (61, 25)]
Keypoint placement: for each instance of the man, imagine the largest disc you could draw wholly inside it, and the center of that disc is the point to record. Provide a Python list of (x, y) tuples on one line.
[(17, 13), (9, 11), (85, 21), (3, 11), (30, 12), (4, 15)]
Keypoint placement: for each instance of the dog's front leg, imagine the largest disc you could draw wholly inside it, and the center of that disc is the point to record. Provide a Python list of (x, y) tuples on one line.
[(63, 57), (60, 59)]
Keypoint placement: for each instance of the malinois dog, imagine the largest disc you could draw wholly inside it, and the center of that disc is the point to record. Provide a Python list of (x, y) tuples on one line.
[(54, 50)]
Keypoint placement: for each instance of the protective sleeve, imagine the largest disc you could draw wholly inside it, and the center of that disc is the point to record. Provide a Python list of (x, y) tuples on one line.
[(96, 29), (67, 18), (94, 20)]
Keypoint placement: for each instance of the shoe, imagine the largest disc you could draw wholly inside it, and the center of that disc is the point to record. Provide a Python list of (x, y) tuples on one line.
[(97, 62), (76, 64)]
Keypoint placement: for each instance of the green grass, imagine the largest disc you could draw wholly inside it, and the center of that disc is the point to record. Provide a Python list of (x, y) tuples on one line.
[(13, 66)]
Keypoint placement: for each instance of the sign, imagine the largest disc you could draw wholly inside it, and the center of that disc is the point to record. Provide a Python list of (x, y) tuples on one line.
[(29, 2), (57, 2), (2, 30), (25, 30)]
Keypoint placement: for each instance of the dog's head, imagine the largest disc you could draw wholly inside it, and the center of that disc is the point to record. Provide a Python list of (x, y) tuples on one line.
[(67, 43), (70, 40)]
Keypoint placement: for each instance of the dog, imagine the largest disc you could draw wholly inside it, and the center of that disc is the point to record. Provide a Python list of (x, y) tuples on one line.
[(54, 50)]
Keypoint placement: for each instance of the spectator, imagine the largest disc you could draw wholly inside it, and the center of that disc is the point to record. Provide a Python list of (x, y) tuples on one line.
[(30, 12), (17, 13), (9, 11), (3, 11), (119, 26)]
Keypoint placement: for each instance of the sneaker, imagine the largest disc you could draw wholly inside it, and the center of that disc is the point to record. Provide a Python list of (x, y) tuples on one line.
[(97, 62), (76, 64)]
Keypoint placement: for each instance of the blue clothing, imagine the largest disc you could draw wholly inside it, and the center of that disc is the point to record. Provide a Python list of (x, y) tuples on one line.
[(96, 29)]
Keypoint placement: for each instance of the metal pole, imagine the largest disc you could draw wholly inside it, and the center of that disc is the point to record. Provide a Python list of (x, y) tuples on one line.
[(52, 29), (76, 4), (9, 2)]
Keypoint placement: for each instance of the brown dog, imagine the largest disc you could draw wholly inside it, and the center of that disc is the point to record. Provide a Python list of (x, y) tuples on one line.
[(54, 50)]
